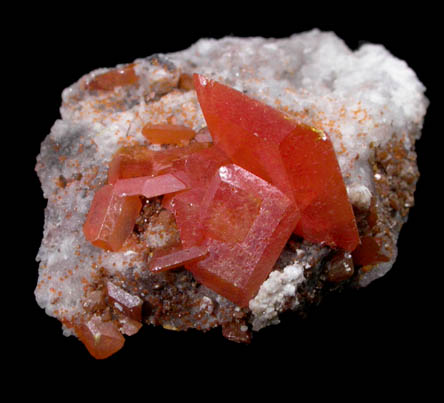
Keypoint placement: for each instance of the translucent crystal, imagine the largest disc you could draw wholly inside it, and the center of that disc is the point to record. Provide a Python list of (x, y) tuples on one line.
[(111, 218), (297, 159)]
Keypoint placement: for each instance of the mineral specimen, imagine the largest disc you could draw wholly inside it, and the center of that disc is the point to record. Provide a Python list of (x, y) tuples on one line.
[(308, 136)]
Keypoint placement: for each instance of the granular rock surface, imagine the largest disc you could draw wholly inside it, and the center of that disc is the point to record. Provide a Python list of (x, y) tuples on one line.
[(370, 103)]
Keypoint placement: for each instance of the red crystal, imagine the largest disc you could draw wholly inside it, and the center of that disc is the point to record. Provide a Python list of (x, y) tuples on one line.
[(102, 339), (164, 160), (119, 77)]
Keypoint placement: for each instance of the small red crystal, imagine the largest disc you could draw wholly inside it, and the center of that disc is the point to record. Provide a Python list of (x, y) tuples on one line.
[(164, 160), (370, 251), (111, 218), (102, 339), (130, 305), (119, 77), (170, 259), (167, 133)]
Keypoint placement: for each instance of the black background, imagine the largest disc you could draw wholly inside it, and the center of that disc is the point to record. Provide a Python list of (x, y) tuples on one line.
[(365, 337)]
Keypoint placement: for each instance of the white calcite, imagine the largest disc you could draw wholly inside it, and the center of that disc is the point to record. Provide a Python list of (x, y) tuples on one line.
[(274, 293), (359, 98)]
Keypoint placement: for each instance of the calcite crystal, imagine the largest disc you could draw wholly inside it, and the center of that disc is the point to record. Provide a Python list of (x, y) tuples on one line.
[(123, 126)]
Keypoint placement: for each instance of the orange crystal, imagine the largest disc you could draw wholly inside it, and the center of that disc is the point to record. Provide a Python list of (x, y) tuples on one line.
[(130, 162), (119, 77), (102, 339), (167, 134)]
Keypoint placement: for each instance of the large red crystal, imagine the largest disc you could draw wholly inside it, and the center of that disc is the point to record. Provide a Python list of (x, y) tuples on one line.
[(111, 218), (245, 222), (297, 159)]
